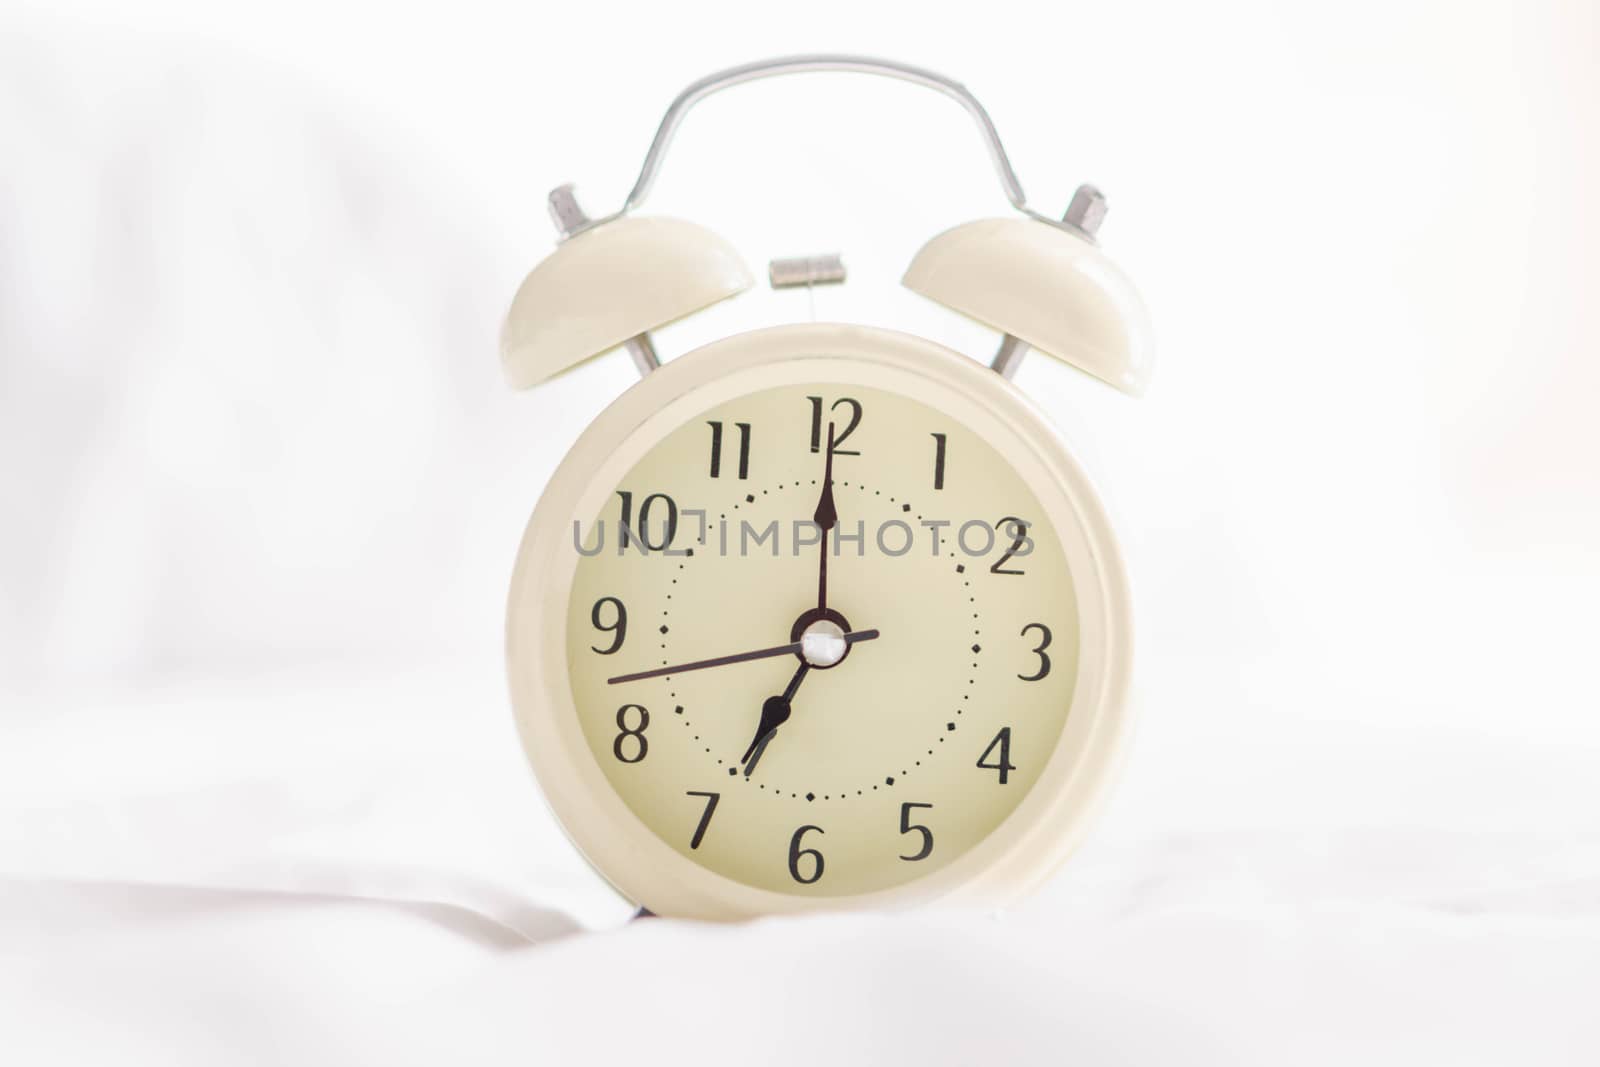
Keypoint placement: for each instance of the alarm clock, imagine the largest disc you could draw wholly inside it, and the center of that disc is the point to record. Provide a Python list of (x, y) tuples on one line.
[(827, 615)]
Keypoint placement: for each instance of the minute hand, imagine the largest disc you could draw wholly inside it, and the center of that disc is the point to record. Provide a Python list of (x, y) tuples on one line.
[(793, 648), (826, 517)]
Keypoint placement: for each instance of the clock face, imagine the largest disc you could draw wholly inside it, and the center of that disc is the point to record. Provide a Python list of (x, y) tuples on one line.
[(892, 625)]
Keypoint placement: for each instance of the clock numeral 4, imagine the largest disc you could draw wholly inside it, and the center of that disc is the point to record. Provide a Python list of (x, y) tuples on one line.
[(617, 628), (849, 428), (1002, 741), (1039, 650), (716, 449), (642, 746), (705, 816), (909, 827), (796, 853)]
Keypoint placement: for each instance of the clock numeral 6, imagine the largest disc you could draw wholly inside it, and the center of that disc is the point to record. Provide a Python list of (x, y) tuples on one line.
[(705, 816), (1002, 741), (618, 627), (716, 449), (795, 852), (908, 827), (1039, 650), (635, 732), (627, 529), (849, 427)]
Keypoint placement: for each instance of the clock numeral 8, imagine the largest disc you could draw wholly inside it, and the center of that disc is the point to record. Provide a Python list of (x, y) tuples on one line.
[(637, 733), (795, 852)]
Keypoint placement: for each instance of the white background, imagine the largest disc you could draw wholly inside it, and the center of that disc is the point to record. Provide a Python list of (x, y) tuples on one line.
[(261, 483)]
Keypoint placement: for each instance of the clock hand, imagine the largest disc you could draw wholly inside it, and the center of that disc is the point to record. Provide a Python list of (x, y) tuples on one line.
[(774, 713), (825, 517), (794, 647)]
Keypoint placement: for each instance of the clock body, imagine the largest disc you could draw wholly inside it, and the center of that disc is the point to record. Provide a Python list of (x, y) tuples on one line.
[(953, 675)]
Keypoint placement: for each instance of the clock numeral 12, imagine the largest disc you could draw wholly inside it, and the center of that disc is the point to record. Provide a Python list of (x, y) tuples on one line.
[(716, 449), (849, 427)]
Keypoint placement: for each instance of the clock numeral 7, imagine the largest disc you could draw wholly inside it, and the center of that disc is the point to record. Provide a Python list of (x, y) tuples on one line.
[(1002, 741), (818, 437), (909, 827), (716, 449), (705, 816)]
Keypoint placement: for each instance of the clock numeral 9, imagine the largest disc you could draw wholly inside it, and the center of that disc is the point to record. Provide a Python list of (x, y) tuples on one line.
[(795, 852), (627, 529), (618, 628), (1020, 543), (849, 428), (1002, 741), (716, 449), (1039, 650), (705, 816), (908, 827), (635, 732)]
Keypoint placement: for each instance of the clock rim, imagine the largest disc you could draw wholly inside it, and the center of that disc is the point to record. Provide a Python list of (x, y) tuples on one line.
[(1044, 827)]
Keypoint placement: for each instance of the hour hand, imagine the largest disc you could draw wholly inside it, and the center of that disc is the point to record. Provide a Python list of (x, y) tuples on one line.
[(774, 713)]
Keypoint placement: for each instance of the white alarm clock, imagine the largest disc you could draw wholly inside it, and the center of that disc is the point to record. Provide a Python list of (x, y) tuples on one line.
[(822, 615)]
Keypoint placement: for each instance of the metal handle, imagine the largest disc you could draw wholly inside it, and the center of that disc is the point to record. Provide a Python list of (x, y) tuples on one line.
[(771, 68)]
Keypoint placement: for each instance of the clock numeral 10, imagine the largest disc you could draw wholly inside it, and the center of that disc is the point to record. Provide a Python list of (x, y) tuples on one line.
[(1002, 741), (705, 816), (796, 853), (642, 746), (716, 449), (627, 528), (849, 428)]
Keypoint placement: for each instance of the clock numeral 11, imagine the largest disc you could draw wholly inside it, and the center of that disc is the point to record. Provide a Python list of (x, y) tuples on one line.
[(716, 449)]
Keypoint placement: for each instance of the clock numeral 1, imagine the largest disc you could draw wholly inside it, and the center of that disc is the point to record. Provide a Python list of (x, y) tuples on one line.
[(796, 852), (635, 732), (938, 461), (849, 428), (1039, 650), (1002, 740), (908, 827), (705, 816), (716, 449), (619, 628)]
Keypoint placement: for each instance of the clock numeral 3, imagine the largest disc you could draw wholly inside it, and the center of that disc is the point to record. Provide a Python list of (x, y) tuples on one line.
[(705, 816), (716, 449), (618, 628), (627, 529), (1018, 529), (908, 827), (1002, 741), (849, 428), (796, 852), (635, 732), (1039, 650)]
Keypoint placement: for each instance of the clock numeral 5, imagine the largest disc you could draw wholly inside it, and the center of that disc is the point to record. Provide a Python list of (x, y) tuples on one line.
[(635, 732), (796, 852), (716, 449), (618, 628), (1002, 741), (817, 436), (908, 827)]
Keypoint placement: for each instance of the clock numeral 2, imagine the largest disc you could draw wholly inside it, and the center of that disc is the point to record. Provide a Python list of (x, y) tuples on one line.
[(716, 449), (1002, 741), (938, 461), (635, 732), (1019, 542), (705, 816), (796, 852), (849, 428), (619, 628), (909, 827)]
